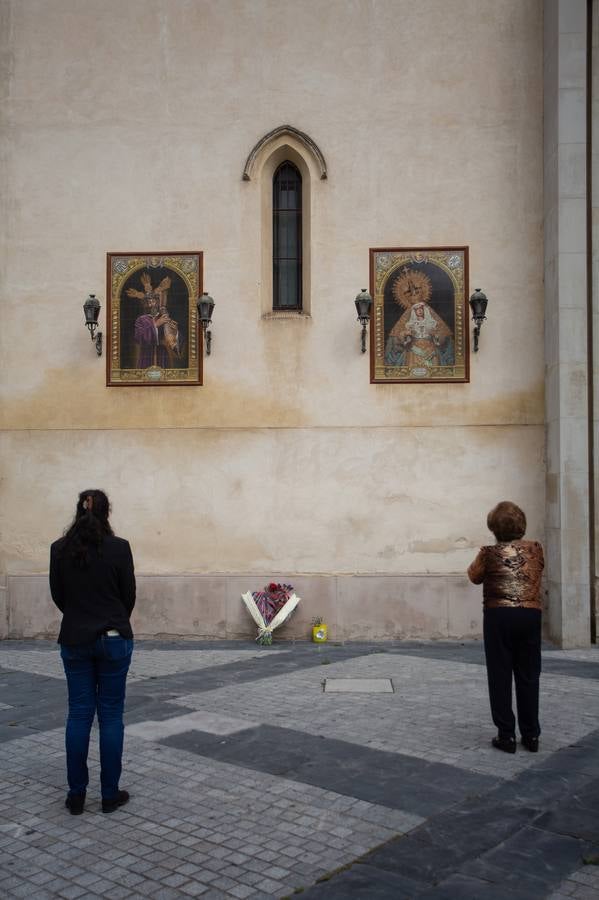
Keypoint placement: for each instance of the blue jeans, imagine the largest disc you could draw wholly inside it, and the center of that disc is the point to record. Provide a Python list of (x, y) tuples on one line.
[(96, 675)]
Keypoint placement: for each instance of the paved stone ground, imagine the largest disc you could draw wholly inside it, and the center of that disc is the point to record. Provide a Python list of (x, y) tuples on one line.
[(248, 780)]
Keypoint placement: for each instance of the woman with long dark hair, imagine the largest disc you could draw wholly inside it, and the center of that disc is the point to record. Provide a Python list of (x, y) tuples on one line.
[(92, 582)]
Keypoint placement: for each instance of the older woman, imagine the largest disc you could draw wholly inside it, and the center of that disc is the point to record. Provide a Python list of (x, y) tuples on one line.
[(510, 572)]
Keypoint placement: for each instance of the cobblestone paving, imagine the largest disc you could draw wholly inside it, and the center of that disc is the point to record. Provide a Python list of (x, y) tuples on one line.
[(589, 655), (247, 780), (145, 663), (582, 884), (438, 712), (212, 822)]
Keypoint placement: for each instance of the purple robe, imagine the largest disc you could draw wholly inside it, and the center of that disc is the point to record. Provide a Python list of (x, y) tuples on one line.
[(146, 336)]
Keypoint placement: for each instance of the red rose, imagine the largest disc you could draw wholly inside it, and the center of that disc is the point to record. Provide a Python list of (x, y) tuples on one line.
[(273, 587)]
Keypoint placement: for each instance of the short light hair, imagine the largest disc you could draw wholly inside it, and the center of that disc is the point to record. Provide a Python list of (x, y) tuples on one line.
[(507, 521)]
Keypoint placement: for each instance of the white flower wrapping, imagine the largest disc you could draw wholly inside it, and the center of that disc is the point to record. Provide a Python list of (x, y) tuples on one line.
[(265, 630)]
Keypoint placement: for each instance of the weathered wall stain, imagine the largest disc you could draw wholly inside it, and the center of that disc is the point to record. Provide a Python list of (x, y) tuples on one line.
[(276, 401), (61, 401), (300, 503), (441, 546)]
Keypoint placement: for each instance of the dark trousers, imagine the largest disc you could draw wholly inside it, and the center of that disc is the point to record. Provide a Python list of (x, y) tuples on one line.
[(513, 645), (96, 676)]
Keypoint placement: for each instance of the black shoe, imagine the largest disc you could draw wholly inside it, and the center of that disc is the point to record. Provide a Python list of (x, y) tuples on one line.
[(75, 803), (531, 744), (110, 805), (508, 745)]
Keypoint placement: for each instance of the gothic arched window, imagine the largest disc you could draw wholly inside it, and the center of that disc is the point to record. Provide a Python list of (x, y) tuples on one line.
[(287, 237)]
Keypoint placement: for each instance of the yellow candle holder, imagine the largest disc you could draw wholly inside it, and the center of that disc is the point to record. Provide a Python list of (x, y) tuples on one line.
[(319, 633)]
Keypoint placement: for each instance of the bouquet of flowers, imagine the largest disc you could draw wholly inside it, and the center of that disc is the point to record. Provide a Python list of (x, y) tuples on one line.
[(270, 607)]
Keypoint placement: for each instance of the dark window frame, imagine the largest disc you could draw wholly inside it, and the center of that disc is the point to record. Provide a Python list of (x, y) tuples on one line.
[(287, 238)]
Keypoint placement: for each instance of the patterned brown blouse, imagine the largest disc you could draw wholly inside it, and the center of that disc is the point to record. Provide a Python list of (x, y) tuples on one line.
[(510, 574)]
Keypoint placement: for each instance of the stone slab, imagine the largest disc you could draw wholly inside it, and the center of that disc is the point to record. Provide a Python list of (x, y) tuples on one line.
[(363, 881), (531, 856), (191, 605), (476, 825), (211, 723), (465, 887), (392, 780), (3, 608), (30, 610), (464, 608), (412, 858), (370, 607), (578, 819)]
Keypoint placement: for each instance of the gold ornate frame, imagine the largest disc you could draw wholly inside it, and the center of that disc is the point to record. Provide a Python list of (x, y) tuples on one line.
[(427, 340), (136, 284)]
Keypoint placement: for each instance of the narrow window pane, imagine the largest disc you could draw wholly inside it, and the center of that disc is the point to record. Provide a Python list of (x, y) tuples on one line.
[(287, 238), (286, 284)]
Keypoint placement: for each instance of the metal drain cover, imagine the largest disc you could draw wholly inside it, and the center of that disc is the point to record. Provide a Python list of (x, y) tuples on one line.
[(358, 686)]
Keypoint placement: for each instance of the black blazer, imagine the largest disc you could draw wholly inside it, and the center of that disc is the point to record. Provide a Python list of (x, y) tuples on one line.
[(97, 598)]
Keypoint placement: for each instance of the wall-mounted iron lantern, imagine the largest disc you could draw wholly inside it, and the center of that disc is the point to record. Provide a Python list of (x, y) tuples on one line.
[(363, 303), (91, 309), (205, 306), (478, 305)]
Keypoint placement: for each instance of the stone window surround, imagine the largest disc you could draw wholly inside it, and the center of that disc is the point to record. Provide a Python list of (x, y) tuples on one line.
[(282, 144)]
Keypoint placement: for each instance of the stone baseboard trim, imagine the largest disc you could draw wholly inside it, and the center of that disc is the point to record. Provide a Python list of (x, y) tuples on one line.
[(355, 607)]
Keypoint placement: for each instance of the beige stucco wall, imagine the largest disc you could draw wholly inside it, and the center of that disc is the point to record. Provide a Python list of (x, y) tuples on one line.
[(127, 128)]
